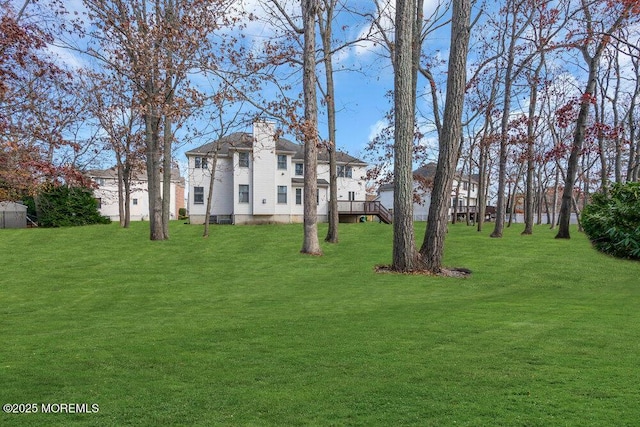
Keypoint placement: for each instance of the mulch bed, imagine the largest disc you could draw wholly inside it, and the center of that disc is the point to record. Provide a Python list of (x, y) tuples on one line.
[(444, 272)]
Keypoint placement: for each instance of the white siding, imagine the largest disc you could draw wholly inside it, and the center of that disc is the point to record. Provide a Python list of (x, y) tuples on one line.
[(222, 201), (263, 177), (138, 200), (240, 176), (264, 169)]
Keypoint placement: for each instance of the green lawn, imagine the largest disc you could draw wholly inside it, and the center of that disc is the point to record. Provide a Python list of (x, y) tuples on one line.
[(241, 329)]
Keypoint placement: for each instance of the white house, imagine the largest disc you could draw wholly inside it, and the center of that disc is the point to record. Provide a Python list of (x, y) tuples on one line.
[(107, 194), (259, 179), (464, 192)]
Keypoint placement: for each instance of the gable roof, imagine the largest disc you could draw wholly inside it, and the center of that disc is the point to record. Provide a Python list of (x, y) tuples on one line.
[(243, 141), (427, 172), (137, 175)]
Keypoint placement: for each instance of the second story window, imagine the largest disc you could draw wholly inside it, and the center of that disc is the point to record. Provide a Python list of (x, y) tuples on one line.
[(299, 169), (345, 171), (201, 162), (282, 161), (243, 160)]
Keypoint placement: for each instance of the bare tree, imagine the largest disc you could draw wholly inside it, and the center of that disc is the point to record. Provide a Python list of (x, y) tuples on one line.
[(155, 45), (38, 108), (591, 48), (310, 244), (432, 250), (325, 25), (404, 251)]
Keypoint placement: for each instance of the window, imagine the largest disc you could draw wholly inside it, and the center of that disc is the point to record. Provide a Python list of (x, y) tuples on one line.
[(100, 181), (352, 196), (282, 194), (243, 193), (299, 169), (282, 161), (201, 162), (198, 195), (345, 171), (465, 186), (243, 160), (298, 196), (135, 202)]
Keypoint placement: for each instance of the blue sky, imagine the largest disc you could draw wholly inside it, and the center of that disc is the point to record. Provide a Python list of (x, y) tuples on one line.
[(361, 99)]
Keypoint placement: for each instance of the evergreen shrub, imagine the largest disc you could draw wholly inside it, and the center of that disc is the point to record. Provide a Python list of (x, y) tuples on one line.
[(612, 220), (64, 206)]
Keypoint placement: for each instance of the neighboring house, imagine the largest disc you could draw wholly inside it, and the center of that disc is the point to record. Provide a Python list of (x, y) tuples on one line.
[(259, 178), (13, 215), (463, 193), (107, 194)]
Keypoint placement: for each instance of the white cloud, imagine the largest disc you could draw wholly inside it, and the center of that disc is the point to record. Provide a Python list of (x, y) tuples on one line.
[(65, 57), (376, 128)]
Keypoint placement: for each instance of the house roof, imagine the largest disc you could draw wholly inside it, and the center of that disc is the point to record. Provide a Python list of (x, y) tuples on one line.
[(138, 175), (427, 171), (243, 141)]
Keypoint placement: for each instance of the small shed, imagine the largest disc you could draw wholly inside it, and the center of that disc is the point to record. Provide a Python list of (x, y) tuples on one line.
[(13, 215)]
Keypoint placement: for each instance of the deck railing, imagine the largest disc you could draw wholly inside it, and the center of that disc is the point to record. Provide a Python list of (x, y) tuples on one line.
[(358, 207)]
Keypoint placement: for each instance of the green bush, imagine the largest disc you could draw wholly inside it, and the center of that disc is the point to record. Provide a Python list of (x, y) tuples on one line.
[(182, 213), (64, 206), (612, 221)]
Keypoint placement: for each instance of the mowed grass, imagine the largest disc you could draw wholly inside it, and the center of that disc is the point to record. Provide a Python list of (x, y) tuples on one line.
[(242, 329)]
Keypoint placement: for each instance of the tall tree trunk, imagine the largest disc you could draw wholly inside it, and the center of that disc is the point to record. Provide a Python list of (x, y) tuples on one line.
[(533, 101), (501, 205), (310, 244), (120, 172), (326, 36), (127, 193), (166, 175), (616, 120), (404, 251), (167, 160), (593, 62), (482, 184), (207, 211), (576, 149), (554, 207), (154, 175), (634, 138), (513, 196), (432, 250), (469, 183), (539, 194)]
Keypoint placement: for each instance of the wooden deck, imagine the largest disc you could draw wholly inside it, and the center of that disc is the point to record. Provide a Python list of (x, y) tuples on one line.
[(354, 207)]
